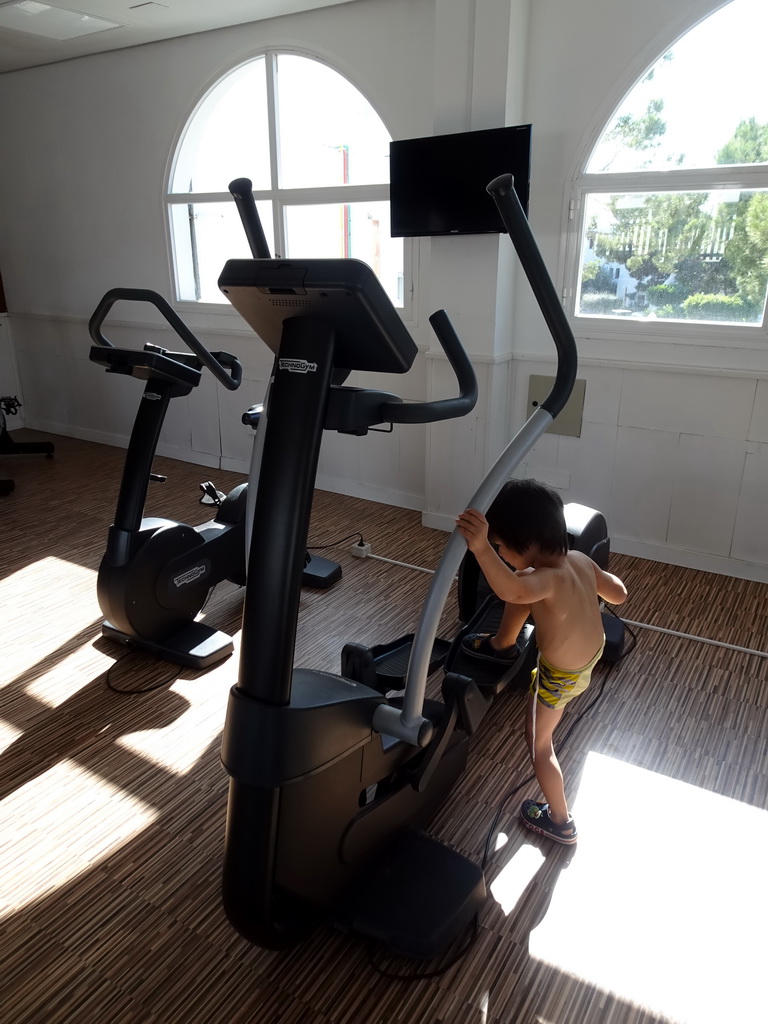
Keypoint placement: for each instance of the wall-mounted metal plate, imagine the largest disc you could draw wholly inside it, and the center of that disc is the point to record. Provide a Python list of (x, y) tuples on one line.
[(569, 419)]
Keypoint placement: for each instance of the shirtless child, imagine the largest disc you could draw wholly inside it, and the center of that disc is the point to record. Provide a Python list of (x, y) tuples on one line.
[(559, 589)]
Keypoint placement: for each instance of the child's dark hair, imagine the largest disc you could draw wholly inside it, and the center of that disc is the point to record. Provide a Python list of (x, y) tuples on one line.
[(527, 512)]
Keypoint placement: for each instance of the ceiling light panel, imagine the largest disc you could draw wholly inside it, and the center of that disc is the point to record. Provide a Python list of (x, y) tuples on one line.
[(50, 22)]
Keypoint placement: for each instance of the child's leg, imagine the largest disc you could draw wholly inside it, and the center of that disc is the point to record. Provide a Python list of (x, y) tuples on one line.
[(545, 764), (513, 619)]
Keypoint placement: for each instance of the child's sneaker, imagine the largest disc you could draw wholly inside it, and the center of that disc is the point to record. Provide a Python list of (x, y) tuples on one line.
[(535, 816), (478, 645)]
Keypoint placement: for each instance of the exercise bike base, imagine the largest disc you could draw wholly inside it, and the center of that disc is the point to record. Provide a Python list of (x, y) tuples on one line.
[(195, 646), (320, 573)]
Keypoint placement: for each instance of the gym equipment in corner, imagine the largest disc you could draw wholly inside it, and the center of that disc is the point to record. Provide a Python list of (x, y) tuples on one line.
[(9, 406), (156, 574), (331, 780)]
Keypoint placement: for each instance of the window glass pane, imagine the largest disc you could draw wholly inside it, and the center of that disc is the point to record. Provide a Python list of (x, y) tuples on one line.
[(703, 103), (205, 236), (228, 136), (329, 133), (357, 230), (700, 256)]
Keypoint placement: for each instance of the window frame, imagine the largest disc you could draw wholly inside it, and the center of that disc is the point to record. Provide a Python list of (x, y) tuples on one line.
[(280, 198), (712, 178), (744, 177)]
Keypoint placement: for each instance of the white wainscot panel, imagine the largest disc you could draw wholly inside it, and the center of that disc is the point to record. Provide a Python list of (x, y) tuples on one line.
[(589, 459), (687, 403), (236, 438), (643, 482), (339, 463), (113, 399), (205, 415), (43, 380), (542, 457), (706, 495), (392, 465), (758, 426), (455, 465), (750, 535), (602, 394)]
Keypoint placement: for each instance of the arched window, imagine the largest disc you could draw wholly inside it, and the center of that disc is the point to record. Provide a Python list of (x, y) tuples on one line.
[(673, 201), (318, 156)]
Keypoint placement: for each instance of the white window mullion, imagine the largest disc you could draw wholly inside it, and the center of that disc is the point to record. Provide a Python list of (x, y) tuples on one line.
[(273, 121)]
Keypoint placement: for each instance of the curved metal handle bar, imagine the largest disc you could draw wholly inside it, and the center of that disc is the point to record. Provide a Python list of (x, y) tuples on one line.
[(226, 368), (445, 408), (242, 193), (503, 192)]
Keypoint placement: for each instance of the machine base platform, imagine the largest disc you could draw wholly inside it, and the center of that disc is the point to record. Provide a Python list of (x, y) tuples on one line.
[(416, 898), (320, 573), (195, 646)]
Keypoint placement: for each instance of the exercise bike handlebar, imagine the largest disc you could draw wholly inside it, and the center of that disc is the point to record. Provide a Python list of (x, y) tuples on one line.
[(225, 367)]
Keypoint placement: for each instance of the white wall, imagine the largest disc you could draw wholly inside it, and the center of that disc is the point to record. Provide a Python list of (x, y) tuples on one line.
[(674, 445)]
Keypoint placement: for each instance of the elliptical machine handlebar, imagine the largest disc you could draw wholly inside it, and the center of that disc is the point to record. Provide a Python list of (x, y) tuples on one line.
[(444, 408), (242, 193), (503, 192), (225, 367)]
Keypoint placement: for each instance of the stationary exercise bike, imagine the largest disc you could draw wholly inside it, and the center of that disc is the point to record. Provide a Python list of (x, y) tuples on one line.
[(156, 573), (330, 776)]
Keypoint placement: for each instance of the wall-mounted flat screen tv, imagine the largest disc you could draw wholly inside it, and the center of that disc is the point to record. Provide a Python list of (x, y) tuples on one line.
[(438, 184)]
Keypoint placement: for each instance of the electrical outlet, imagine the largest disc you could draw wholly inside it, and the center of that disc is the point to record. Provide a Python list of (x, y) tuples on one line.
[(360, 550)]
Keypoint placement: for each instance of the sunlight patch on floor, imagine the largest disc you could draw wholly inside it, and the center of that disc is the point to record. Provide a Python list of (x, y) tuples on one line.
[(665, 902), (8, 735), (65, 597), (64, 679), (177, 747), (57, 825), (514, 877)]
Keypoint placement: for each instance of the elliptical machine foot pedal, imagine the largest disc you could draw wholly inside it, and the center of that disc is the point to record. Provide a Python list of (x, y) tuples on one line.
[(385, 666), (416, 898), (195, 646)]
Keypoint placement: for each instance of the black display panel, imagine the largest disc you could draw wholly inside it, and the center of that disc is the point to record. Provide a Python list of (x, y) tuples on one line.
[(344, 293), (438, 184)]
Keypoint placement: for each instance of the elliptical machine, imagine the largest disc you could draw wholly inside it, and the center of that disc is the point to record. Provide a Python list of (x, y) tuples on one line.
[(304, 749)]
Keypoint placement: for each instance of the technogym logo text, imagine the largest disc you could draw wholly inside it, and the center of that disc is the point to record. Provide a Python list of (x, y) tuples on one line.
[(191, 575), (297, 365)]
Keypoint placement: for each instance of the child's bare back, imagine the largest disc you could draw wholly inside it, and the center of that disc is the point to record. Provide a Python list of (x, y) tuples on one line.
[(569, 628)]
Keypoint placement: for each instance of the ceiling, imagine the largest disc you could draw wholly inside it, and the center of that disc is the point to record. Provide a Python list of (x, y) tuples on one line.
[(136, 21)]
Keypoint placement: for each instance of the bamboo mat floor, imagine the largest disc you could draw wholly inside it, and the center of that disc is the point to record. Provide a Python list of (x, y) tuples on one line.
[(113, 800)]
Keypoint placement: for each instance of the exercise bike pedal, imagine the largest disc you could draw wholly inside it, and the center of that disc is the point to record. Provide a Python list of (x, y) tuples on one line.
[(210, 495)]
